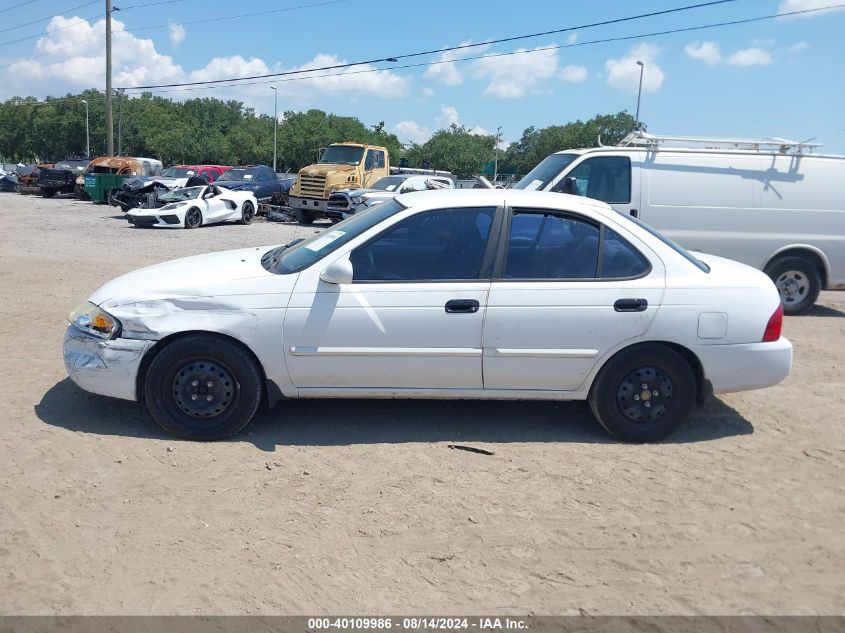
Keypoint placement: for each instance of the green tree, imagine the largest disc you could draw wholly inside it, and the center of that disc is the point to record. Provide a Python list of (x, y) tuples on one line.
[(455, 149)]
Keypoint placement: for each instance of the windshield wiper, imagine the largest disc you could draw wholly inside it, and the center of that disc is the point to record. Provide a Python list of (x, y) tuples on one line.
[(277, 256)]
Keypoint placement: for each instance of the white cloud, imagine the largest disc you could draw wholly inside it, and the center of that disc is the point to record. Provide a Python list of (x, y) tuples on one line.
[(708, 52), (80, 60), (572, 38), (512, 76), (428, 92), (412, 131), (176, 33), (573, 74), (788, 6), (624, 74), (797, 48), (482, 131), (446, 71), (448, 116), (750, 57)]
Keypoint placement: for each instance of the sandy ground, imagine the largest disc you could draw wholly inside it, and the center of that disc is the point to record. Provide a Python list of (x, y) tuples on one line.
[(360, 507)]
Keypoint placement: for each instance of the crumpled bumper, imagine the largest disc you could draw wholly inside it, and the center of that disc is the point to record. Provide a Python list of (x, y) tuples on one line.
[(108, 368)]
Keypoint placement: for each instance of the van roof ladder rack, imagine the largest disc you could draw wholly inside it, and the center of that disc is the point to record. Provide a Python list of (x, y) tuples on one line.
[(782, 145)]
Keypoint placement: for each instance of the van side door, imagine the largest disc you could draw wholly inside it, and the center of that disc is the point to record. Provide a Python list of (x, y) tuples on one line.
[(614, 179)]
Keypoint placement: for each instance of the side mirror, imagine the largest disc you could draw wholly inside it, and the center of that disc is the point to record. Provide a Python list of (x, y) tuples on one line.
[(339, 272), (570, 186)]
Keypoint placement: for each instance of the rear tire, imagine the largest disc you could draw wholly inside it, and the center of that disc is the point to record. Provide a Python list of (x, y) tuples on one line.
[(203, 387), (643, 393), (48, 192), (247, 213), (303, 217), (798, 281)]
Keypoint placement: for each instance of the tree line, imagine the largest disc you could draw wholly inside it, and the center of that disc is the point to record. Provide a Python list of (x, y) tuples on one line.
[(212, 131)]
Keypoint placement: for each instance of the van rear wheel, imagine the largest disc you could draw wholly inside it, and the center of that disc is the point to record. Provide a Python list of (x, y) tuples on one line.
[(798, 281)]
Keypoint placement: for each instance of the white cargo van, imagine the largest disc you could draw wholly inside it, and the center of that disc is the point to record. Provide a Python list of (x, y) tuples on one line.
[(769, 203)]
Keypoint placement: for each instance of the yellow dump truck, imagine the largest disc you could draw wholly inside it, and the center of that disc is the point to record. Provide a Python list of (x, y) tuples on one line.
[(343, 166)]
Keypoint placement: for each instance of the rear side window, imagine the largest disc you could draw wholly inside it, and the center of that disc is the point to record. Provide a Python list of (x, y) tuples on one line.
[(551, 245)]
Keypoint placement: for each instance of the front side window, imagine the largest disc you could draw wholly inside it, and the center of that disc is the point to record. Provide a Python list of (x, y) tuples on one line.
[(369, 162), (546, 246), (442, 245), (605, 178), (379, 159)]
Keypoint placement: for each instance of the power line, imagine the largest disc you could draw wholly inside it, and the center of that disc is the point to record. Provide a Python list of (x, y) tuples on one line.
[(393, 58), (49, 17), (606, 40), (18, 6)]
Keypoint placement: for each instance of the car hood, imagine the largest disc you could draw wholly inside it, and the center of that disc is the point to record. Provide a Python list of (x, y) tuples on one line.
[(201, 278), (326, 169), (235, 185)]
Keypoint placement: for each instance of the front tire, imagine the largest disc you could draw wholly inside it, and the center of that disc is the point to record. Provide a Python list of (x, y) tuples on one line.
[(203, 387), (798, 281), (303, 217), (193, 218), (643, 393), (247, 213)]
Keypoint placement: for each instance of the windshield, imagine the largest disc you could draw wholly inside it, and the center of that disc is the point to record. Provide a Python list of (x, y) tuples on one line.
[(179, 172), (73, 165), (389, 183), (301, 255), (343, 155), (538, 178), (188, 193), (239, 174)]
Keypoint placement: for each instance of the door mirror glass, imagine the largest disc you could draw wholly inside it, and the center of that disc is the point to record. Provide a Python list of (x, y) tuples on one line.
[(339, 272)]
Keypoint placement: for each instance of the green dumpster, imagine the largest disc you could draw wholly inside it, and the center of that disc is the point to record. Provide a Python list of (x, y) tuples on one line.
[(97, 186)]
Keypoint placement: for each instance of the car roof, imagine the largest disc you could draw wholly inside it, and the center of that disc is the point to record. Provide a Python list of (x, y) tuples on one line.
[(512, 197)]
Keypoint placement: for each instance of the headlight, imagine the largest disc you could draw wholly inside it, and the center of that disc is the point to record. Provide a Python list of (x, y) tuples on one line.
[(357, 199), (93, 320)]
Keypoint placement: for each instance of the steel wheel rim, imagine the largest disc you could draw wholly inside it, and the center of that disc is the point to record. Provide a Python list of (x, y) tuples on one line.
[(194, 217), (793, 286), (644, 394), (203, 388)]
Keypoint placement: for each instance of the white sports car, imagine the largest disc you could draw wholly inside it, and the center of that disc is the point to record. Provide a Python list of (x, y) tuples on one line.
[(492, 294), (192, 207)]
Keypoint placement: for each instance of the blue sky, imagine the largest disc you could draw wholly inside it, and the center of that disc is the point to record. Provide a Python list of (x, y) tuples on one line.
[(780, 77)]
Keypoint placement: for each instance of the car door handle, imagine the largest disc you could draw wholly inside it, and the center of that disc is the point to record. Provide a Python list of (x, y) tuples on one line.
[(630, 305), (462, 306)]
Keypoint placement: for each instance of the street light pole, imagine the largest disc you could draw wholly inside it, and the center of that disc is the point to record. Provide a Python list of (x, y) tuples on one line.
[(275, 122), (87, 134), (496, 163), (639, 92)]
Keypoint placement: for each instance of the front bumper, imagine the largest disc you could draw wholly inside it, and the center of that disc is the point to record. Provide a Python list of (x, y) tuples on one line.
[(165, 220), (312, 205), (108, 368), (746, 366)]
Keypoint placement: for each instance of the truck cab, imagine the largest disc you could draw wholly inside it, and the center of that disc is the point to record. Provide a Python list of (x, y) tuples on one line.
[(343, 166)]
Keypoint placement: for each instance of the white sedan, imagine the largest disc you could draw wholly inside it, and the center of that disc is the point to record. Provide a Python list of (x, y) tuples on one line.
[(193, 207), (495, 294)]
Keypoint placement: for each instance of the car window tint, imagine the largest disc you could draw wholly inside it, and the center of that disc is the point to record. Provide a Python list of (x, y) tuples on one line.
[(546, 246), (442, 245), (605, 178), (619, 259)]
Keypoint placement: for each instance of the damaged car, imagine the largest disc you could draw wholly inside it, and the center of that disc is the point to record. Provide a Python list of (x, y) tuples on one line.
[(62, 177), (192, 207), (342, 204), (475, 294)]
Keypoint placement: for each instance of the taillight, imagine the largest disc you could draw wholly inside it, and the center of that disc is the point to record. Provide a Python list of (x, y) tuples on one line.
[(774, 325)]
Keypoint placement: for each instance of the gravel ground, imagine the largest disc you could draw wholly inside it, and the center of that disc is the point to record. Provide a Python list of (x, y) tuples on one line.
[(360, 506)]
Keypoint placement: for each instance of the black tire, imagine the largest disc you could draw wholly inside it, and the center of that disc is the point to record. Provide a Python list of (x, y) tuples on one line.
[(247, 218), (193, 218), (798, 281), (48, 192), (303, 217), (180, 399), (617, 402)]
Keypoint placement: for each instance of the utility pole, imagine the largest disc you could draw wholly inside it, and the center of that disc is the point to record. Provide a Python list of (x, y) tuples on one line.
[(109, 122), (122, 92), (87, 133), (275, 122), (639, 93)]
